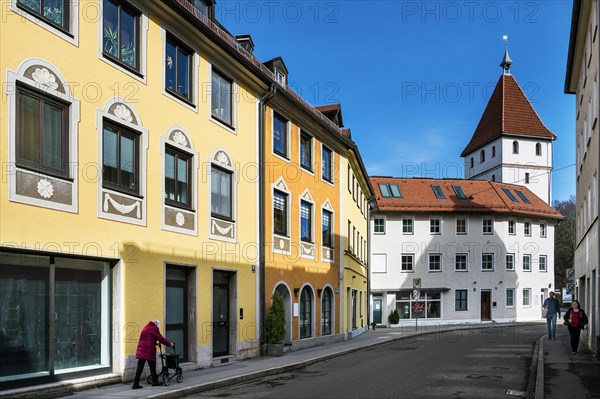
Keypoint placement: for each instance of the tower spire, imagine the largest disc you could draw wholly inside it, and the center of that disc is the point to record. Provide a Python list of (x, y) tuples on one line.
[(506, 61)]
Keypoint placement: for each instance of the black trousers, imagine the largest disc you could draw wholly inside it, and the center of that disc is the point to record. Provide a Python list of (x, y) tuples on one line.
[(140, 368), (574, 332)]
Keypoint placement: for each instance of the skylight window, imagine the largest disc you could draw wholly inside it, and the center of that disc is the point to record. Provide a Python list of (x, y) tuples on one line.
[(385, 190), (523, 197), (395, 191), (439, 193), (460, 194), (510, 195), (390, 190)]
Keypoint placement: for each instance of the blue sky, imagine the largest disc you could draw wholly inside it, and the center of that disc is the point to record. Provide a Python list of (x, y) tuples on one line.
[(414, 77)]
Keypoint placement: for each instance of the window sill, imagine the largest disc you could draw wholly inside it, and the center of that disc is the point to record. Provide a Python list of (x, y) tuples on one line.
[(115, 61), (45, 173), (222, 122), (281, 235), (487, 270)]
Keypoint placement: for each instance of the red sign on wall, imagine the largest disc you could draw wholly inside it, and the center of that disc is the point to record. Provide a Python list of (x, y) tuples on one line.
[(418, 306)]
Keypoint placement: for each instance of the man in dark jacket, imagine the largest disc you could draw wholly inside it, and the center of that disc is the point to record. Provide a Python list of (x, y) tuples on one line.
[(553, 307), (146, 352)]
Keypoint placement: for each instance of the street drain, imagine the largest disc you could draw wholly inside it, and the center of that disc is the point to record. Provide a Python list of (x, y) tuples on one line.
[(484, 377)]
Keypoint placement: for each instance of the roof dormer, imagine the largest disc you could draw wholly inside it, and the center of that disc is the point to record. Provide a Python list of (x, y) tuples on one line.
[(277, 66), (246, 42)]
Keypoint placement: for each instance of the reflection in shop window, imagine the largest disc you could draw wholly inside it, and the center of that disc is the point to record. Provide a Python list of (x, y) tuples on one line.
[(427, 306)]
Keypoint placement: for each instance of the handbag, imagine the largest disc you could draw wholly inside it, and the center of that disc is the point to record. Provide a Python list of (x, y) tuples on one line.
[(545, 311)]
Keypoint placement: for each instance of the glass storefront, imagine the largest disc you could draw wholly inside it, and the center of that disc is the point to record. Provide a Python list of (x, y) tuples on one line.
[(427, 306), (53, 313)]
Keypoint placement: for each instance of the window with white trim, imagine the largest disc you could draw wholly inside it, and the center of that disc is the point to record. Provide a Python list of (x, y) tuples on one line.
[(527, 229), (460, 262), (407, 263), (511, 227), (526, 263), (510, 297), (460, 299), (543, 230), (488, 226), (487, 262), (435, 226), (379, 226), (543, 263), (461, 226), (526, 297), (510, 262), (407, 226), (435, 262)]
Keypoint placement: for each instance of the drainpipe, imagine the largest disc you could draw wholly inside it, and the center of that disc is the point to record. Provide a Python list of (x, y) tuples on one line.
[(597, 282), (261, 207)]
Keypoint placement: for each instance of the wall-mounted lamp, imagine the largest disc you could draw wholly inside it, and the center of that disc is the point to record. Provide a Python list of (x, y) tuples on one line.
[(474, 282), (550, 285), (353, 277), (296, 292), (500, 282), (319, 290)]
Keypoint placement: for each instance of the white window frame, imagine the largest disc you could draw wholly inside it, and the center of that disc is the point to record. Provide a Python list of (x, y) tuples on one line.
[(506, 262), (545, 262), (375, 225), (466, 269), (525, 232), (543, 230), (412, 264), (483, 220), (528, 257), (234, 100), (384, 263), (431, 226), (194, 86), (528, 297), (513, 298), (73, 29), (466, 220), (142, 75), (412, 225), (485, 254), (14, 78), (429, 256), (512, 231)]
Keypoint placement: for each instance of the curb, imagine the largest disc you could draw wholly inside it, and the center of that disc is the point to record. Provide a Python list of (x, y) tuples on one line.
[(539, 380), (225, 382)]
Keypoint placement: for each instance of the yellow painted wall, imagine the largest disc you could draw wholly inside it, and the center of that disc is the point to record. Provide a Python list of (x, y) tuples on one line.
[(94, 82), (355, 271)]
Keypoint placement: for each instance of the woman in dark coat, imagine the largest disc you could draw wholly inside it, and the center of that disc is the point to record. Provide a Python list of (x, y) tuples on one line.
[(576, 320), (146, 352)]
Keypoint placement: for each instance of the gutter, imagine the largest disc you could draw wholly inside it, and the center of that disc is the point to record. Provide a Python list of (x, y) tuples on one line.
[(262, 104)]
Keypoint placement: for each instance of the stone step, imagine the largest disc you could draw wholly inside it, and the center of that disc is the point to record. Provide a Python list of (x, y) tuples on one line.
[(223, 360)]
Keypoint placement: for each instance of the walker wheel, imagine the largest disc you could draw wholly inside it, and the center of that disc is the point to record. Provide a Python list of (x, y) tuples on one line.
[(166, 380), (149, 380), (179, 378)]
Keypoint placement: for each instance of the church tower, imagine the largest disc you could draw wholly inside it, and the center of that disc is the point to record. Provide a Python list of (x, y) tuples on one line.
[(511, 144)]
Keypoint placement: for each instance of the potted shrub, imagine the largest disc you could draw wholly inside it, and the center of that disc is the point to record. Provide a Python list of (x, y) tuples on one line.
[(275, 325), (394, 317)]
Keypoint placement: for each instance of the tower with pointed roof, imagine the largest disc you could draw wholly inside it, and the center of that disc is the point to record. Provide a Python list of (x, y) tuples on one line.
[(511, 144)]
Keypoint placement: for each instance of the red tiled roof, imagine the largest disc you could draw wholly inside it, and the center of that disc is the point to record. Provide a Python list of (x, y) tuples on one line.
[(508, 112), (482, 197), (328, 108)]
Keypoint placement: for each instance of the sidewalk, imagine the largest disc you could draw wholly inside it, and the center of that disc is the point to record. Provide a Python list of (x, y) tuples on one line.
[(557, 368), (566, 375)]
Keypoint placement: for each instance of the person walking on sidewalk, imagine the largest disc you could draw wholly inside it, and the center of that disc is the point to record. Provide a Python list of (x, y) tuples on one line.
[(146, 352), (553, 312), (576, 320)]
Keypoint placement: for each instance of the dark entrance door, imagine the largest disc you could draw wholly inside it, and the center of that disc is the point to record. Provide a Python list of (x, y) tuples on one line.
[(176, 317), (377, 311), (486, 309), (220, 314)]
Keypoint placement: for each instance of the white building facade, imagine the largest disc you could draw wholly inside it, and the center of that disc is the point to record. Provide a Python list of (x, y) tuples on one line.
[(583, 81), (479, 254)]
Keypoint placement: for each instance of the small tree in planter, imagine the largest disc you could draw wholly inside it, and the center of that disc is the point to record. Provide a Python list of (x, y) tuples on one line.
[(394, 317), (275, 324)]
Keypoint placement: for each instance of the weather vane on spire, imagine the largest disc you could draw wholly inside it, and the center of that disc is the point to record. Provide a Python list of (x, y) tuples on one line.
[(506, 61)]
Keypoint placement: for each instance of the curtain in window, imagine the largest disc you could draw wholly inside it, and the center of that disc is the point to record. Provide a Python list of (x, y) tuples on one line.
[(52, 140), (221, 192), (169, 176), (279, 213), (182, 180), (305, 221), (29, 128)]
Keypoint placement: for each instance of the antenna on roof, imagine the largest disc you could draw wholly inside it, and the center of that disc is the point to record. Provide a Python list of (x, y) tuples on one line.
[(506, 61)]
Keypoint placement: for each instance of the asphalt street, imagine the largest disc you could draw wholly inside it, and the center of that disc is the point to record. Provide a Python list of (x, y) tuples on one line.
[(473, 363)]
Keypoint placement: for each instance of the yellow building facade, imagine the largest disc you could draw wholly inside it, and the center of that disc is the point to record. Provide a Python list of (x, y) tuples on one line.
[(357, 196), (129, 192)]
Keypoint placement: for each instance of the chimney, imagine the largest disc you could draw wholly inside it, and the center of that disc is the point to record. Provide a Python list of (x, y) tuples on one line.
[(246, 42)]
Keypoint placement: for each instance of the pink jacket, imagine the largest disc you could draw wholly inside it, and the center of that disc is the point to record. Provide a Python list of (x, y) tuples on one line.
[(146, 348)]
